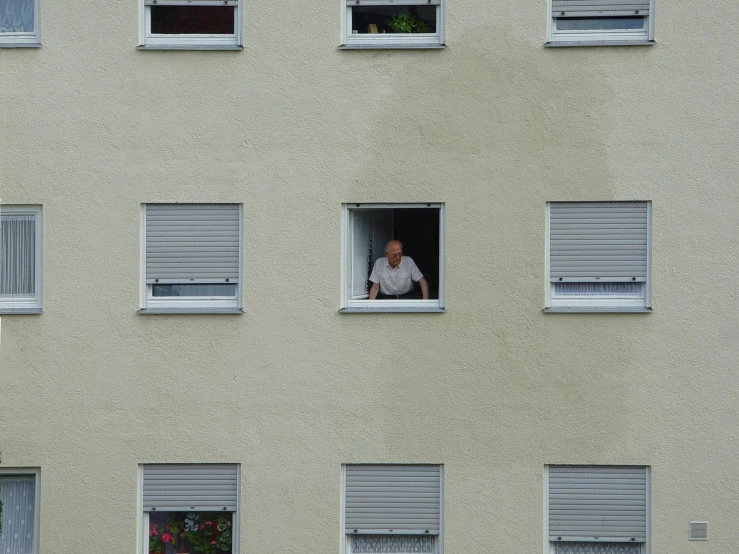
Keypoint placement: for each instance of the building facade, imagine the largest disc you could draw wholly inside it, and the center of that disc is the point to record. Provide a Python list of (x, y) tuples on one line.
[(192, 202)]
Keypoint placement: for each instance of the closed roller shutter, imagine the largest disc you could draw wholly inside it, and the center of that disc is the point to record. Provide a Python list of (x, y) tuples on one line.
[(190, 487), (393, 499)]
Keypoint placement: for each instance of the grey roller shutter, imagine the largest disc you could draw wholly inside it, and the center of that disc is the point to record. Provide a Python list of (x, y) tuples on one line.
[(393, 499), (190, 243), (606, 503), (191, 2), (599, 8), (190, 487), (351, 3), (598, 241)]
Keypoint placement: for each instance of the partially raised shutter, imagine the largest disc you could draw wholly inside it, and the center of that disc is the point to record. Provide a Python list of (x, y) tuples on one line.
[(393, 499), (351, 3), (191, 2), (190, 487), (191, 243), (599, 8), (605, 503), (598, 241)]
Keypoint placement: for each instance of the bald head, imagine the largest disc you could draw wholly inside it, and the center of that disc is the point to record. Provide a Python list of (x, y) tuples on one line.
[(394, 252)]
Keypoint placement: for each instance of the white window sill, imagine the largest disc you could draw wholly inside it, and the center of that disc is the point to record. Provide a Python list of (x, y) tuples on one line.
[(392, 46), (166, 311), (11, 311), (189, 47), (575, 43), (597, 309), (392, 309), (20, 45)]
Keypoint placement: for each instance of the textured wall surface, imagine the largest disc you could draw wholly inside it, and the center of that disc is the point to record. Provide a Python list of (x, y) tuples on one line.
[(494, 126)]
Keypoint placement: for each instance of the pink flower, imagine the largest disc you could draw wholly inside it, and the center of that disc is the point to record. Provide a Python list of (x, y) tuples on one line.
[(229, 524), (202, 526), (166, 537), (153, 531), (212, 542), (209, 523)]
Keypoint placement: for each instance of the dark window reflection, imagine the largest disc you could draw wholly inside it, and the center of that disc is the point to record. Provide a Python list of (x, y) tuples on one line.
[(394, 19), (192, 20)]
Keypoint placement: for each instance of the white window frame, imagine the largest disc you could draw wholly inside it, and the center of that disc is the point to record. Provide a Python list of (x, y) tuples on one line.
[(549, 547), (585, 303), (370, 306), (25, 39), (614, 37), (190, 304), (36, 472), (151, 41), (393, 40), (345, 542), (27, 305), (142, 529)]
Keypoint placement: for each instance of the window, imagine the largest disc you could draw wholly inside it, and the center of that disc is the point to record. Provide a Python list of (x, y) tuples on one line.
[(20, 259), (598, 256), (597, 509), (394, 509), (19, 493), (598, 22), (192, 258), (191, 24), (189, 508), (19, 23), (411, 278), (394, 24)]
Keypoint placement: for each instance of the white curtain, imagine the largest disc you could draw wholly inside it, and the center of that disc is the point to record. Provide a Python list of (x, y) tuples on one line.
[(16, 16), (597, 548), (392, 544), (18, 493), (371, 229), (17, 255)]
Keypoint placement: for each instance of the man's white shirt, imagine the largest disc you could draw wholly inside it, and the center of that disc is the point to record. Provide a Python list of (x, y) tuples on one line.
[(398, 280)]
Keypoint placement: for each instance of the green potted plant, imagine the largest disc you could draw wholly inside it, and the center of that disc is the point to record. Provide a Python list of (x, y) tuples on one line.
[(406, 23)]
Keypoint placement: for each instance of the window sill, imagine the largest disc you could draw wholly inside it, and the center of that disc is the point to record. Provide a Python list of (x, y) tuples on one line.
[(392, 47), (576, 43), (598, 309), (170, 311), (27, 311), (189, 47), (20, 45), (389, 309)]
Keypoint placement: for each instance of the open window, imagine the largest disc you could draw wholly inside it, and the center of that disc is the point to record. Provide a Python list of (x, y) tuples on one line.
[(19, 23), (191, 24), (597, 509), (368, 228), (394, 24), (598, 256), (601, 22)]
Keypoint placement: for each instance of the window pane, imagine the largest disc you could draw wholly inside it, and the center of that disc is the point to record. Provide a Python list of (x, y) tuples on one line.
[(600, 23), (193, 532), (192, 20), (384, 544), (16, 16), (206, 289), (628, 289), (17, 256), (18, 494), (394, 19)]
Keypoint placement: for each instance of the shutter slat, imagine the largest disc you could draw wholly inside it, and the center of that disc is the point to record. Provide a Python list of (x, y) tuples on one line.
[(198, 487), (192, 241), (597, 503), (393, 499), (599, 8), (598, 240)]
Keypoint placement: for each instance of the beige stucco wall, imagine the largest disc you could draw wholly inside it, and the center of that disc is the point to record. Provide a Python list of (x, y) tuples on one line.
[(493, 126)]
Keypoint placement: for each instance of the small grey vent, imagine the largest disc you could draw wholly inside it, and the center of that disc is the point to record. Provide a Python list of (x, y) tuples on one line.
[(698, 530)]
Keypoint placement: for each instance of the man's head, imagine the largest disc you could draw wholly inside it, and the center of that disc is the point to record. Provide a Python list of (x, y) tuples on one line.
[(394, 252)]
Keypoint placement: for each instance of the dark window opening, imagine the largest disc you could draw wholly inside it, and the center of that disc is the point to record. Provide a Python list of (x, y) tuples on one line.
[(394, 19), (192, 20), (600, 23)]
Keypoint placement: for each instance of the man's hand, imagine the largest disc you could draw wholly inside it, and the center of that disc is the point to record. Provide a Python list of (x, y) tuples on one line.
[(376, 288), (424, 288)]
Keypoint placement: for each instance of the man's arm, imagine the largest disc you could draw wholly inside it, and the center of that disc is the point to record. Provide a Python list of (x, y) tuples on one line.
[(424, 288), (376, 288)]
